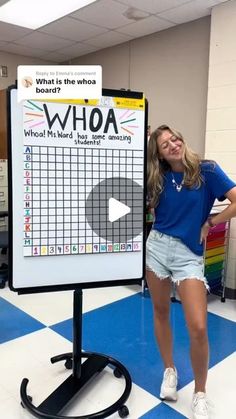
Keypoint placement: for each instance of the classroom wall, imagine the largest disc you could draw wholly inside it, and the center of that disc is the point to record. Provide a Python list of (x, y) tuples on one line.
[(171, 68), (12, 61), (220, 143)]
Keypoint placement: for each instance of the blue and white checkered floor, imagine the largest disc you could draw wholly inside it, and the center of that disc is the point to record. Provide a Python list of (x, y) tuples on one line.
[(117, 321)]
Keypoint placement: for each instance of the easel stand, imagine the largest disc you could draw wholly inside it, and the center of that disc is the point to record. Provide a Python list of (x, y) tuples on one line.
[(57, 401)]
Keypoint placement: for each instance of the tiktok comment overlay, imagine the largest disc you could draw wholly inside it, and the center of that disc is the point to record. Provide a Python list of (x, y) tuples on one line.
[(59, 82)]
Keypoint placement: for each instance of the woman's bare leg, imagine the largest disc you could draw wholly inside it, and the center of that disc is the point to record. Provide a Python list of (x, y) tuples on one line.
[(192, 293), (160, 293)]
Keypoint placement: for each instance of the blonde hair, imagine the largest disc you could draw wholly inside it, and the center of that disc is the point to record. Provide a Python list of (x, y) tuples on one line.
[(157, 167)]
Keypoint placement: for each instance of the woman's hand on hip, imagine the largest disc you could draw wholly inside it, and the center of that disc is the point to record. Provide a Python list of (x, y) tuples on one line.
[(204, 232)]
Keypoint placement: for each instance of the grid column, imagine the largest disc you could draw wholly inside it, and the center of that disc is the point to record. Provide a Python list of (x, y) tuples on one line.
[(36, 222), (74, 201), (81, 199), (28, 201), (67, 200)]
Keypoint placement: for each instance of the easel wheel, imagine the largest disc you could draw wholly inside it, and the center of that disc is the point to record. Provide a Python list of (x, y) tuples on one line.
[(117, 373), (123, 412), (69, 364), (29, 398)]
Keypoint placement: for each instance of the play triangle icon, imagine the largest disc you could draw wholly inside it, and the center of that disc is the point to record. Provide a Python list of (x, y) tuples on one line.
[(117, 210)]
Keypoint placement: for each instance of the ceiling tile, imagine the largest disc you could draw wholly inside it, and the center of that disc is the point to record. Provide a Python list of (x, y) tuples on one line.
[(44, 41), (12, 32), (73, 29), (77, 50), (13, 48), (88, 29), (54, 57), (2, 44), (108, 39), (106, 13), (189, 11), (146, 26), (153, 6), (2, 2), (215, 2)]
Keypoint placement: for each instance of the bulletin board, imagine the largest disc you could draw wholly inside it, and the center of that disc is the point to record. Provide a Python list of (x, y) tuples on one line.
[(66, 160)]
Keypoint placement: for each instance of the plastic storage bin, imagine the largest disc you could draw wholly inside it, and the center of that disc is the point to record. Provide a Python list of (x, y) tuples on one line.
[(216, 249)]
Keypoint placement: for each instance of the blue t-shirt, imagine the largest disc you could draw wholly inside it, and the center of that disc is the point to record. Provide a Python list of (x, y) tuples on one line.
[(182, 214)]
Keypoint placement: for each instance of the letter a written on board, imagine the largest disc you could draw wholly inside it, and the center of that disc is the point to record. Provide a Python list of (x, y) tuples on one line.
[(117, 210)]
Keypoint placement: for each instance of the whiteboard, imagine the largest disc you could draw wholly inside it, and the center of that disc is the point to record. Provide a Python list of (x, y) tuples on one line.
[(67, 159)]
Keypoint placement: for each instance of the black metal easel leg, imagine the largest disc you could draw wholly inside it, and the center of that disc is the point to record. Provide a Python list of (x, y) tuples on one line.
[(82, 373)]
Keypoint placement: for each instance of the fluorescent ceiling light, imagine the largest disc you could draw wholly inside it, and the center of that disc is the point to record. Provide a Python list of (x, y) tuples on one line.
[(36, 13)]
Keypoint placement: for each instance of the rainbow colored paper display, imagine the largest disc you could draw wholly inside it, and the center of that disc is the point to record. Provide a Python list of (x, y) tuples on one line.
[(215, 254)]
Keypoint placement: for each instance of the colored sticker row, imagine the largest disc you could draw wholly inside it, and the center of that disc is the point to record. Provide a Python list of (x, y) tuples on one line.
[(75, 249)]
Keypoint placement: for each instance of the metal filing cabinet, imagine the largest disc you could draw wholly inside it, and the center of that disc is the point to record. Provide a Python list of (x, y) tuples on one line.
[(3, 192), (3, 223)]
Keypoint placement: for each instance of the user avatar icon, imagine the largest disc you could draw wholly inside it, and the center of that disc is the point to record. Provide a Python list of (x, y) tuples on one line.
[(27, 81)]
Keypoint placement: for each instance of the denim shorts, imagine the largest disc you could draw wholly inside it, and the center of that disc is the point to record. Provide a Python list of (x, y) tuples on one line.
[(169, 257)]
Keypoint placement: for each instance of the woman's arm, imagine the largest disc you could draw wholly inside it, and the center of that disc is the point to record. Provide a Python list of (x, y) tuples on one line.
[(225, 215), (228, 212)]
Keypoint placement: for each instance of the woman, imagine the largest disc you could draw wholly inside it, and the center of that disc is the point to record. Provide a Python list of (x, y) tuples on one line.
[(182, 190)]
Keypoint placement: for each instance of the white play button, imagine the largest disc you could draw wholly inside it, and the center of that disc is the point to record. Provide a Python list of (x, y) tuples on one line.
[(117, 210), (114, 209)]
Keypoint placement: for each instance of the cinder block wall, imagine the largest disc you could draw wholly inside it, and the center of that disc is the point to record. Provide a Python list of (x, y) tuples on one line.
[(220, 142)]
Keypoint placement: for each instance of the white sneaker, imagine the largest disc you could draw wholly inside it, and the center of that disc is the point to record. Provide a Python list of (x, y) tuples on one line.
[(200, 406), (169, 385)]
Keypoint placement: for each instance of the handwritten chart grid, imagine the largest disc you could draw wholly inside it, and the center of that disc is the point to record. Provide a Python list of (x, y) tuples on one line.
[(57, 182)]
